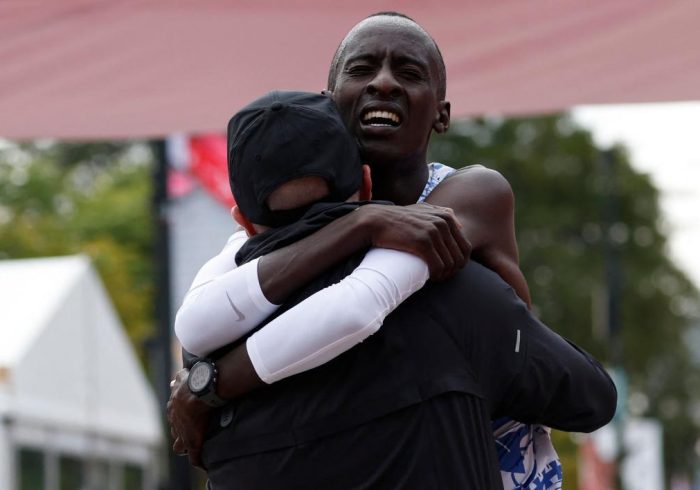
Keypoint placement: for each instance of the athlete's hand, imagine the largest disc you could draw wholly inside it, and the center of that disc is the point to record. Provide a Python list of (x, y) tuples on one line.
[(428, 231), (188, 417)]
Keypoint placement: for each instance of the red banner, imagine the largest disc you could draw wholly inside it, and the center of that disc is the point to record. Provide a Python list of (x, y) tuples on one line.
[(208, 165)]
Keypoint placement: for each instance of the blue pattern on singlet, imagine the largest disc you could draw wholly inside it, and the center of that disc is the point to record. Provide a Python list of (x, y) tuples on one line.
[(437, 172), (526, 456)]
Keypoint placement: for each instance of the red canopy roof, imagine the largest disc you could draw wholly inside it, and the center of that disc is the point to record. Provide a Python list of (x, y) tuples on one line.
[(113, 69)]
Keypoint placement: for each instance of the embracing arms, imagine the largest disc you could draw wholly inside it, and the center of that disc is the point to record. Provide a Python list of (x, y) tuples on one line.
[(225, 302)]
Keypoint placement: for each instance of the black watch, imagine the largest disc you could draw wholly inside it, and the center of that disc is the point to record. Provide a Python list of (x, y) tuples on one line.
[(202, 382)]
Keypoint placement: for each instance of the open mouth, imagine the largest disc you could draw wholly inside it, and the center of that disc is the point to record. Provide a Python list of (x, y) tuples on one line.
[(381, 119)]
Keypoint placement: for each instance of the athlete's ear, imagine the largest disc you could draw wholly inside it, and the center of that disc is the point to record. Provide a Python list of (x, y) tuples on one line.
[(327, 93), (366, 187), (243, 221), (442, 119)]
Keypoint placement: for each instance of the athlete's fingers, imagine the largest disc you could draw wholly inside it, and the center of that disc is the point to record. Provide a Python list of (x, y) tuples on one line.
[(460, 240), (442, 261), (447, 245), (459, 259), (431, 257)]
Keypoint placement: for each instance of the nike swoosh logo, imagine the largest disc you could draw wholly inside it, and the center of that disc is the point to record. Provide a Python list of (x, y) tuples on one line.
[(241, 316)]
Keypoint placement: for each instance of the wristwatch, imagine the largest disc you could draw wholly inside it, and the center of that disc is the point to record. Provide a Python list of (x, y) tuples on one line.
[(202, 382)]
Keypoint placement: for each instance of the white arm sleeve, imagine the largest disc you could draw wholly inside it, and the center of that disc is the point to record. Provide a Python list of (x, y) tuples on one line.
[(223, 304), (335, 319)]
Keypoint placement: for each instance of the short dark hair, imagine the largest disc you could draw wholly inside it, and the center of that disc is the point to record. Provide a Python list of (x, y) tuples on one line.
[(340, 51)]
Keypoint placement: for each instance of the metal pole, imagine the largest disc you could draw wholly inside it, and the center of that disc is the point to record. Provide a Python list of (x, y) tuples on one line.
[(178, 475)]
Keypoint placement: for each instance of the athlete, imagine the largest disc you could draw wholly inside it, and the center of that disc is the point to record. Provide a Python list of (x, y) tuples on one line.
[(388, 80), (434, 378)]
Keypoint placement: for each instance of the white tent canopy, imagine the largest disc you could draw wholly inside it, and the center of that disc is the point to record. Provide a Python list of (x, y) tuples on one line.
[(69, 379)]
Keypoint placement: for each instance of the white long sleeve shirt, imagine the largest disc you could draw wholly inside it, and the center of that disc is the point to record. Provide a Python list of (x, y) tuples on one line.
[(225, 302)]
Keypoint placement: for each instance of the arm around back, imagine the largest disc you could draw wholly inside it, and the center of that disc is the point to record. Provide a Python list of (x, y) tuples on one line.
[(527, 371), (573, 390)]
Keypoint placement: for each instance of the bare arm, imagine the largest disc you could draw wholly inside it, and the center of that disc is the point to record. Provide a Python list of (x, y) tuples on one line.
[(483, 203)]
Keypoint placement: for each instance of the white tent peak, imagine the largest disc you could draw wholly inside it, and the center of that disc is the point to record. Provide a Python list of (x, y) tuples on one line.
[(65, 359), (30, 291)]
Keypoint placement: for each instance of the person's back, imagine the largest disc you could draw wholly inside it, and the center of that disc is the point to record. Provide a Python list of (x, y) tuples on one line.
[(390, 413), (411, 406)]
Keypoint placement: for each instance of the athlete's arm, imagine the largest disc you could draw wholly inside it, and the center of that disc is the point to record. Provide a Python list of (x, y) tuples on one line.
[(429, 232), (226, 302), (527, 371), (483, 203), (336, 318)]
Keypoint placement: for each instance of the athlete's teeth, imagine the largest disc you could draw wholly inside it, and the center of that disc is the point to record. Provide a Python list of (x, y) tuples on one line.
[(382, 114)]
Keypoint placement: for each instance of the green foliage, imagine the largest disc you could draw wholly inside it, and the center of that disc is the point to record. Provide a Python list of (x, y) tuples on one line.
[(60, 199), (560, 185)]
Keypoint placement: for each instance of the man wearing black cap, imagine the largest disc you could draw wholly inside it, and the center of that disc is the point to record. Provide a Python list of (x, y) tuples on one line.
[(410, 407)]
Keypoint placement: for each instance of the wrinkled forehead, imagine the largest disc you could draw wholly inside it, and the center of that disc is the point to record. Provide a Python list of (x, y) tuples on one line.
[(395, 34)]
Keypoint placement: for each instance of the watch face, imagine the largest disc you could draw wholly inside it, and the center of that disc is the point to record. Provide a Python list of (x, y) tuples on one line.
[(199, 378)]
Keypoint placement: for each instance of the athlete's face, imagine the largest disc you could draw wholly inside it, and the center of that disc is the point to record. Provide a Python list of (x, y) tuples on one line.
[(386, 89)]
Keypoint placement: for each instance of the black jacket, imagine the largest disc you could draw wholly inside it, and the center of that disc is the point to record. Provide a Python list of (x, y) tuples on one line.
[(410, 406)]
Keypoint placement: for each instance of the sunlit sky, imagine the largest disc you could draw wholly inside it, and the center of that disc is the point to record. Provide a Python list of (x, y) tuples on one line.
[(663, 141)]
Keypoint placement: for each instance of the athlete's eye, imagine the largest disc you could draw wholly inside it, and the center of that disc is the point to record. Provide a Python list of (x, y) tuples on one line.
[(412, 73), (358, 70)]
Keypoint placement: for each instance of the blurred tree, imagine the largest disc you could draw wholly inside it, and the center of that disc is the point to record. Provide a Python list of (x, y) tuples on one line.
[(92, 198), (559, 184)]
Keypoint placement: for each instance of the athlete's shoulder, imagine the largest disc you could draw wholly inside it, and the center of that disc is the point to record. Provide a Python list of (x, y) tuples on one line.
[(480, 190), (484, 179)]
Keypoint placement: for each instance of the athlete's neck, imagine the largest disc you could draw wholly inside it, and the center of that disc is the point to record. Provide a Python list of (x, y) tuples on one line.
[(400, 182)]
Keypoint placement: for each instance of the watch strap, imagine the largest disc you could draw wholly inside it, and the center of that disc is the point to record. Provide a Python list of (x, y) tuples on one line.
[(211, 398)]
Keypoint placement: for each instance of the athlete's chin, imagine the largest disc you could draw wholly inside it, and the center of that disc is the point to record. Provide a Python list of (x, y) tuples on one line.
[(379, 152)]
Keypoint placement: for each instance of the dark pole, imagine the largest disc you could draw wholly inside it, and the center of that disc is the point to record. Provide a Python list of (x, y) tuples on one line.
[(178, 469), (613, 271), (614, 279)]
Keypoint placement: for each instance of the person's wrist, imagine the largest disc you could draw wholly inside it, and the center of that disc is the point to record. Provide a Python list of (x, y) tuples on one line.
[(366, 224), (239, 375)]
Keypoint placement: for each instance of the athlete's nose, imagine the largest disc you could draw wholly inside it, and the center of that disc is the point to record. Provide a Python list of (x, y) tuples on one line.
[(384, 83)]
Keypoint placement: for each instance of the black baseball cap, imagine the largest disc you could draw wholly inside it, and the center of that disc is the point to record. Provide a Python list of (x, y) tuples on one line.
[(283, 136)]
